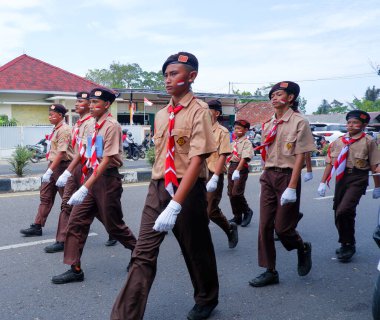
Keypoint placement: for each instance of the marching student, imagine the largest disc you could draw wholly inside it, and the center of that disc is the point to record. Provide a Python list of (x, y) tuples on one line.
[(101, 193), (238, 174), (286, 139), (176, 197), (216, 163), (59, 154), (350, 157)]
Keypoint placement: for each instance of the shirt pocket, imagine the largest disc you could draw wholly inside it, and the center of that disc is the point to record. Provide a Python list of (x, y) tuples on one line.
[(289, 145), (181, 140), (158, 139), (360, 160)]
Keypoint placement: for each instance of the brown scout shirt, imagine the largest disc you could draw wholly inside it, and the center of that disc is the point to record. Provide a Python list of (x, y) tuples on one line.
[(61, 142), (192, 136), (112, 144), (293, 137), (361, 154), (85, 130), (222, 139), (244, 149)]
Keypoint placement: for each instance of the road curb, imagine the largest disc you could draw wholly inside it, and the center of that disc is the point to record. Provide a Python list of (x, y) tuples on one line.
[(130, 176)]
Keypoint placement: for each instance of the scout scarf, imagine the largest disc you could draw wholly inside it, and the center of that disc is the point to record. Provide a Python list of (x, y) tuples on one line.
[(76, 131), (340, 162), (170, 172), (235, 153), (268, 140), (93, 162), (49, 137)]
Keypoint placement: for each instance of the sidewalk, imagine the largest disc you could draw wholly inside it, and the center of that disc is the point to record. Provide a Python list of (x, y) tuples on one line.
[(33, 183)]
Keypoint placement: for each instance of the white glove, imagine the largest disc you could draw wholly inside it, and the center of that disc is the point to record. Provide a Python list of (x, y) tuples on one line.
[(62, 180), (307, 176), (213, 183), (322, 189), (235, 175), (167, 218), (288, 196), (376, 193), (47, 175), (78, 197)]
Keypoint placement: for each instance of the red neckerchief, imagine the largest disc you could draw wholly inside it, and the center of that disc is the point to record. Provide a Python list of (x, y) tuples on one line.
[(48, 138), (76, 130), (269, 140)]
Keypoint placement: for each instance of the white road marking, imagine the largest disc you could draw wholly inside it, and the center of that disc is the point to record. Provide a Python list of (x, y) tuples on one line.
[(34, 243), (329, 197)]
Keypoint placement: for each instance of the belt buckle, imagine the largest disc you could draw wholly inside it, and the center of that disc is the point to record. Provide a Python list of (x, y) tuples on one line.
[(349, 170)]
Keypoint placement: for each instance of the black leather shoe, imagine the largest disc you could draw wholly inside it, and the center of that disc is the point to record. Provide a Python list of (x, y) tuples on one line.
[(233, 237), (265, 279), (34, 230), (346, 252), (201, 312), (236, 220), (55, 247), (110, 242), (247, 218), (304, 260), (68, 276), (337, 250)]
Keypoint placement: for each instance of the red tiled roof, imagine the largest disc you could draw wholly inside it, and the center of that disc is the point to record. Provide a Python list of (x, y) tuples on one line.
[(28, 73), (255, 112)]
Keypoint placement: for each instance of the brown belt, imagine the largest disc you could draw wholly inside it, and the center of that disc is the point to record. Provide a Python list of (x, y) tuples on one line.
[(277, 169), (355, 170)]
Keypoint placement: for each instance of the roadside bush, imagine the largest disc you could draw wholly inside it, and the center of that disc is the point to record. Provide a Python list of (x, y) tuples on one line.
[(150, 156), (20, 160)]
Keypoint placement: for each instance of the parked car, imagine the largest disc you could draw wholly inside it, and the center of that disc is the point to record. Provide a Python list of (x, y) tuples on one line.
[(331, 131)]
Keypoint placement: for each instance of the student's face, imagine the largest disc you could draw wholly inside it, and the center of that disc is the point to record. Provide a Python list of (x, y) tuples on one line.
[(354, 126), (240, 131), (178, 79), (98, 107), (281, 99), (55, 117), (82, 106)]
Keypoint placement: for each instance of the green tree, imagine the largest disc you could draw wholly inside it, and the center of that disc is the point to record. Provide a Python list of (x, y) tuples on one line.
[(366, 105), (126, 76), (338, 107), (5, 121), (324, 107), (302, 104), (372, 94)]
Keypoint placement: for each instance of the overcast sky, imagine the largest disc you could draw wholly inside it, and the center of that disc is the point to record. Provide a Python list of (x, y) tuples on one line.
[(248, 43)]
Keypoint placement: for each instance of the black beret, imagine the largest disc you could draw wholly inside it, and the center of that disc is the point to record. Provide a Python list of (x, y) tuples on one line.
[(183, 58), (56, 107), (242, 123), (103, 94), (83, 95), (215, 105), (360, 115), (288, 86)]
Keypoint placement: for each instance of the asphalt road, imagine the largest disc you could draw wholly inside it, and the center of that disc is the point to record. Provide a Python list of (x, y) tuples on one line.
[(331, 291)]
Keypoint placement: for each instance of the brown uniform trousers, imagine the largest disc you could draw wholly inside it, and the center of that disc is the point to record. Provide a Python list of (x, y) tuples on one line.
[(193, 235), (103, 199), (48, 192), (273, 216), (72, 185), (236, 189), (348, 192), (213, 199)]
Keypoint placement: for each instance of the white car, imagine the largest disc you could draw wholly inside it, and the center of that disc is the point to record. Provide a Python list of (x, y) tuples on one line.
[(331, 131)]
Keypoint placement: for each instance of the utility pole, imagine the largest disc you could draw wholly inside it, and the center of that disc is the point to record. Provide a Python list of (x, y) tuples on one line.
[(229, 87)]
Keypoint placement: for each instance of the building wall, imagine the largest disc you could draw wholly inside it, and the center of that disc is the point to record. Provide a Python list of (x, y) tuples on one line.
[(30, 115), (6, 109)]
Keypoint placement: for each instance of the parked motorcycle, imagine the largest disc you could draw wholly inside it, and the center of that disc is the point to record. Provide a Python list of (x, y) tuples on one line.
[(38, 150), (147, 143)]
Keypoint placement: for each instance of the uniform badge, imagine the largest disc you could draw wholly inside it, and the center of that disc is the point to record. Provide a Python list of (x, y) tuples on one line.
[(182, 58), (363, 116), (98, 93), (360, 163), (52, 107), (181, 141), (289, 145), (84, 95), (284, 85)]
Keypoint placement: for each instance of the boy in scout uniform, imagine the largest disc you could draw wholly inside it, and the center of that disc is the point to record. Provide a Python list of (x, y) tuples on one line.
[(350, 158), (242, 153), (71, 182), (59, 154), (100, 195), (286, 137), (216, 166), (176, 197)]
